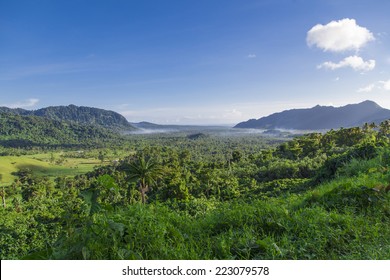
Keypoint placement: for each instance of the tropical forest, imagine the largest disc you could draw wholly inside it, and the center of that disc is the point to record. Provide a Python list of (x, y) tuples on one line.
[(76, 190)]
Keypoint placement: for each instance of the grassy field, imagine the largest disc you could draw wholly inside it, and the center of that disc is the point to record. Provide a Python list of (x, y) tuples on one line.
[(47, 164)]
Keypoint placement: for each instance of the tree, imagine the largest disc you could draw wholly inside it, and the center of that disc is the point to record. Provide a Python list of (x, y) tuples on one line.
[(101, 156), (146, 171), (384, 130), (2, 192)]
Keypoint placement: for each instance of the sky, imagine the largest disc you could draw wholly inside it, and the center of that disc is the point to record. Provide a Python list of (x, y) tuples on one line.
[(205, 62)]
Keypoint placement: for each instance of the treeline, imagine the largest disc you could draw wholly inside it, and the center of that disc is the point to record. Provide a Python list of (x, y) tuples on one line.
[(319, 196)]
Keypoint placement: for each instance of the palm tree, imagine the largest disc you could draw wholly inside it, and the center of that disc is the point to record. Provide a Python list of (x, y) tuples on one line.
[(146, 172)]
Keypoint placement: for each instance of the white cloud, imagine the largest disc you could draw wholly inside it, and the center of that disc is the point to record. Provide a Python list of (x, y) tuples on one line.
[(186, 115), (31, 102), (380, 85), (355, 62), (339, 36), (231, 114), (368, 88), (385, 84), (251, 55), (212, 114)]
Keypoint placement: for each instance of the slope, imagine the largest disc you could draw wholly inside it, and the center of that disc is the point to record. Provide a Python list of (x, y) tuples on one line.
[(321, 117)]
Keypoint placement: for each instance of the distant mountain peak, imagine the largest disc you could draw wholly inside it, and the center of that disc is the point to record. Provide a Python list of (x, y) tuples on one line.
[(322, 117), (370, 103)]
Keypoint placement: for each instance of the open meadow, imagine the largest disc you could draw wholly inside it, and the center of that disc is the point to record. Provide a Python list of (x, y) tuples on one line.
[(51, 165)]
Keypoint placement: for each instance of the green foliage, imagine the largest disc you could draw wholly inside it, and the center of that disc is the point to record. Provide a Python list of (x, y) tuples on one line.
[(320, 196), (75, 114), (32, 131), (145, 171)]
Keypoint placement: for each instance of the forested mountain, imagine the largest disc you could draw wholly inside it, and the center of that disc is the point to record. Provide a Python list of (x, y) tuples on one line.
[(17, 111), (322, 117), (29, 131), (81, 115)]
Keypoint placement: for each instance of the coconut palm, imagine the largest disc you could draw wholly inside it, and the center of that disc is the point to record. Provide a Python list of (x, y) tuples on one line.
[(146, 172)]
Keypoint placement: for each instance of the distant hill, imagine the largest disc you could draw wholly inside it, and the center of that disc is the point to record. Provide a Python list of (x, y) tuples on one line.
[(148, 125), (321, 117), (17, 111), (80, 115), (31, 131)]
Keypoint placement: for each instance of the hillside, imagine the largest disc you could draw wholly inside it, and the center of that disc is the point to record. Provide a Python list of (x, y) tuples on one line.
[(77, 114), (321, 117), (29, 131)]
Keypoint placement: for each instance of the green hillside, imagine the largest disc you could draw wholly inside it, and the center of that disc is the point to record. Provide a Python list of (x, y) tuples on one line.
[(318, 196), (77, 114), (32, 131)]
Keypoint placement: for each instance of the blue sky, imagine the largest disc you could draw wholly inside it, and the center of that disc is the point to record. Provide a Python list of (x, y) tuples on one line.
[(194, 62)]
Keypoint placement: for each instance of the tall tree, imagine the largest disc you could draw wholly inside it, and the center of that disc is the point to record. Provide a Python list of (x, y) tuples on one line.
[(146, 171)]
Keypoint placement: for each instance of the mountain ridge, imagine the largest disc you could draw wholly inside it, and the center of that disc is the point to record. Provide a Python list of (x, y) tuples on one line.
[(321, 117), (33, 131), (78, 114)]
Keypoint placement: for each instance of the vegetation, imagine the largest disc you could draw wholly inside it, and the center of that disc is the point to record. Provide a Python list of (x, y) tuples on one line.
[(80, 115), (18, 131), (175, 196)]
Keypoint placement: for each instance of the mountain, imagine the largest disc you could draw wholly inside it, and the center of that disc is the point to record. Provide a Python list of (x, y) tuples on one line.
[(30, 131), (76, 114), (321, 117), (17, 111)]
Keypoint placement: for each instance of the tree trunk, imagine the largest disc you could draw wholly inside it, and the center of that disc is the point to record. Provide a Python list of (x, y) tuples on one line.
[(143, 190)]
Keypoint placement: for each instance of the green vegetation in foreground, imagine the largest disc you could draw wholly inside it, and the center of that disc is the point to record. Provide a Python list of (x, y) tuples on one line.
[(314, 197)]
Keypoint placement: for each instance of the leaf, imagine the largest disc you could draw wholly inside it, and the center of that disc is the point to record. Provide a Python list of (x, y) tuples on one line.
[(85, 253), (118, 227), (107, 182), (90, 198)]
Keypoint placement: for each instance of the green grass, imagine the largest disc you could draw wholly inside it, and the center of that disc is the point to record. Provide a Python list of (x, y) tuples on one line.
[(40, 165)]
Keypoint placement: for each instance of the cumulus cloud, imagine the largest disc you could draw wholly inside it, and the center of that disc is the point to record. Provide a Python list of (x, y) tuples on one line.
[(339, 36), (251, 56), (355, 62), (380, 85), (31, 102), (368, 88)]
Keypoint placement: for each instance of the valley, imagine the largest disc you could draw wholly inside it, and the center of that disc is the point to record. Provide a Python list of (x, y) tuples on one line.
[(71, 190)]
